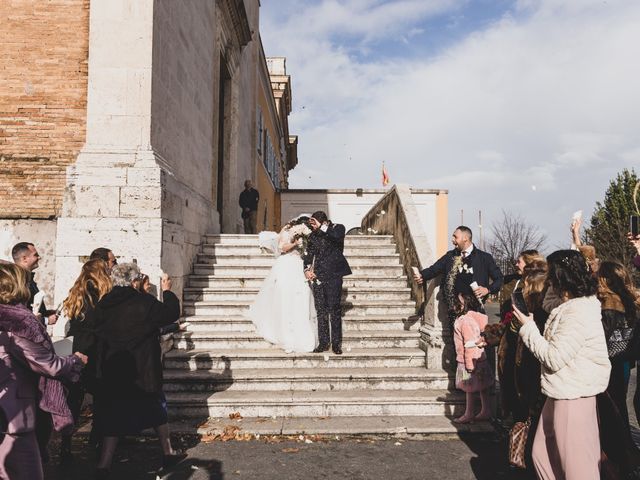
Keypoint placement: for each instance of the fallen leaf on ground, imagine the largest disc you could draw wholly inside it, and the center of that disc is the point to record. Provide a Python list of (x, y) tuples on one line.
[(208, 438), (229, 433), (290, 450), (235, 416)]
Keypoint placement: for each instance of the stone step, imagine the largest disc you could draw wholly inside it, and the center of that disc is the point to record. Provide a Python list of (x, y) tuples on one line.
[(305, 379), (240, 239), (244, 270), (237, 340), (246, 294), (200, 359), (384, 425), (295, 403), (201, 323), (269, 260), (255, 281), (366, 307), (350, 250)]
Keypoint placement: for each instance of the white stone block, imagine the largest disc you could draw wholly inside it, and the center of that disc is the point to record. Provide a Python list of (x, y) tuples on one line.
[(94, 201), (108, 89), (174, 260), (144, 177), (140, 202), (99, 176), (116, 130), (137, 92), (130, 237)]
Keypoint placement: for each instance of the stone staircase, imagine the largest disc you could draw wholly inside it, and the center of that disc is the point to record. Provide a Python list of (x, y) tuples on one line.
[(220, 366)]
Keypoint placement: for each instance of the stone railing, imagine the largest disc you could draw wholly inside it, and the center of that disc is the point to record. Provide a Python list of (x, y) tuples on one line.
[(396, 214)]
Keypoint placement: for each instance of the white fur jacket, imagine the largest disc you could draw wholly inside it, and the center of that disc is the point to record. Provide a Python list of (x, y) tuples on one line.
[(573, 350)]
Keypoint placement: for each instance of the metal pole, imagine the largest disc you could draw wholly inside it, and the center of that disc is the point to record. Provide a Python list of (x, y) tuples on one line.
[(480, 227)]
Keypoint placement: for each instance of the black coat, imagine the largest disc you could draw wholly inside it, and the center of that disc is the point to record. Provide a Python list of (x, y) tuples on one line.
[(325, 253), (128, 351), (249, 199), (83, 330), (485, 271)]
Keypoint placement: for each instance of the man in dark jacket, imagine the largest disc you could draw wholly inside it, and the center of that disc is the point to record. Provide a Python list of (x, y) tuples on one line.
[(25, 255), (462, 267), (325, 266), (249, 199)]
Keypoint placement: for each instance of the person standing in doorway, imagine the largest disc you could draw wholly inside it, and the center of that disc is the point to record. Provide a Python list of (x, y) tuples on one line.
[(249, 199)]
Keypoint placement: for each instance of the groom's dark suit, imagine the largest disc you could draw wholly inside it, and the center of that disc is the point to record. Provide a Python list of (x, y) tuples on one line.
[(325, 256)]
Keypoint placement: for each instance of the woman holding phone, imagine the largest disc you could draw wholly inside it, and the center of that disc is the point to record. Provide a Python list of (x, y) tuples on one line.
[(575, 368)]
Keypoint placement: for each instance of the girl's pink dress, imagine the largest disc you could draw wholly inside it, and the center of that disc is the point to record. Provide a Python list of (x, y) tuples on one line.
[(467, 328)]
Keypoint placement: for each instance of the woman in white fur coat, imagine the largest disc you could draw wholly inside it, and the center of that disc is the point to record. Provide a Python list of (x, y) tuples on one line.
[(575, 368)]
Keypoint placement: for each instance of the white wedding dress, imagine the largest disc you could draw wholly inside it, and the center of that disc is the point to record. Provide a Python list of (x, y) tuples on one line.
[(283, 311)]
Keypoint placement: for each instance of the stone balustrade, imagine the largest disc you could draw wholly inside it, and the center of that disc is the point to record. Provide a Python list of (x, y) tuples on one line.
[(396, 214)]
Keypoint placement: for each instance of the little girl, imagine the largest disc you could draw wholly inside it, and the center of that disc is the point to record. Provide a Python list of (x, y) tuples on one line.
[(474, 373)]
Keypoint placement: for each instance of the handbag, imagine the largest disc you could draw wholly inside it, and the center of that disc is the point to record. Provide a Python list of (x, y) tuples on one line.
[(619, 342), (518, 436)]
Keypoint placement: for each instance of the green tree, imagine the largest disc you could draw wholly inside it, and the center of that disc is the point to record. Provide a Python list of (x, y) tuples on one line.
[(610, 221)]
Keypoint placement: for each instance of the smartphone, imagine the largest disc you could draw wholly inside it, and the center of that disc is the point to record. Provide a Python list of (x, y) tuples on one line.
[(634, 225), (415, 271), (517, 300)]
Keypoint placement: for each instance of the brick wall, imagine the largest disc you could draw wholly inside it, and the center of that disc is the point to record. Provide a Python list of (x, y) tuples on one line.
[(43, 91)]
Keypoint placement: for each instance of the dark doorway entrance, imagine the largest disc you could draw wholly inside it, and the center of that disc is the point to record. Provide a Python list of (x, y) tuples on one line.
[(224, 101)]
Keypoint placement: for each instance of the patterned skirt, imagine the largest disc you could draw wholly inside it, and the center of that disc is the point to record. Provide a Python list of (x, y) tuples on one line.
[(481, 378)]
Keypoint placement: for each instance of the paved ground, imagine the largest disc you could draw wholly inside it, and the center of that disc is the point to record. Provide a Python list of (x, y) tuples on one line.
[(454, 457), (475, 457)]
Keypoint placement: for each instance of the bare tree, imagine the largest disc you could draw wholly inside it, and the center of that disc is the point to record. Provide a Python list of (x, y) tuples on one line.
[(512, 235)]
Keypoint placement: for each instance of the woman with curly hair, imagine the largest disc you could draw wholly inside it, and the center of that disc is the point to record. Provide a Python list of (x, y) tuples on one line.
[(575, 368), (92, 284)]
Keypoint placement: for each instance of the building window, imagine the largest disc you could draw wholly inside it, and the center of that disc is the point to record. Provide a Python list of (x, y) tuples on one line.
[(260, 130)]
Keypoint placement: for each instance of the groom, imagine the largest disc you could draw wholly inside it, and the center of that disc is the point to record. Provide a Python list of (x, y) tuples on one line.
[(325, 265)]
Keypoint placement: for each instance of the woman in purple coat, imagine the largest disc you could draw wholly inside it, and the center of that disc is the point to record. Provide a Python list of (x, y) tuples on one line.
[(29, 369)]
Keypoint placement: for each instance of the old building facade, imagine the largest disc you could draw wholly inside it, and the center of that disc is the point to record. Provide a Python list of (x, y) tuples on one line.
[(133, 124)]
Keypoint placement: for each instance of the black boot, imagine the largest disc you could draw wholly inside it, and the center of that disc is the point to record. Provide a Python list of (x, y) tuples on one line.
[(170, 461), (66, 457)]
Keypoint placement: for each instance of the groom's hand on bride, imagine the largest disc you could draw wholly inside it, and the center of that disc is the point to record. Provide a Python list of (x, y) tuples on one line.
[(310, 275)]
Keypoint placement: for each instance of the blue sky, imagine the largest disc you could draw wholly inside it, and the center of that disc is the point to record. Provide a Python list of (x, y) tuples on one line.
[(529, 106)]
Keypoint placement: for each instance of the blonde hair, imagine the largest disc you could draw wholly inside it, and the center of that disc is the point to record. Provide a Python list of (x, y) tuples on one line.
[(534, 278), (93, 280), (531, 256), (14, 284)]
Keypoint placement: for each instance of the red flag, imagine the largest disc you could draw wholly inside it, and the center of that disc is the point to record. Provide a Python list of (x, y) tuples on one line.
[(385, 176)]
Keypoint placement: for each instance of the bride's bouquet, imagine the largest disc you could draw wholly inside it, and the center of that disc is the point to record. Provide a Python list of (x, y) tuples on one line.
[(300, 235)]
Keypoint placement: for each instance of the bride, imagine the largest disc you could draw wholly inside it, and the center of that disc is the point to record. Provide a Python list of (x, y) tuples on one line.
[(283, 311)]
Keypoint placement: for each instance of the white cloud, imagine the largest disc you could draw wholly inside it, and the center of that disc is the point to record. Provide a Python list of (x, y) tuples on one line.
[(545, 96)]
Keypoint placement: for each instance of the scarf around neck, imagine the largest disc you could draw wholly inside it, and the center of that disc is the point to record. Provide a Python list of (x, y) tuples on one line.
[(19, 321)]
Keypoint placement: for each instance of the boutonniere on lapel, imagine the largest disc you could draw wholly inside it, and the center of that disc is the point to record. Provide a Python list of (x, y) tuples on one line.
[(464, 268)]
